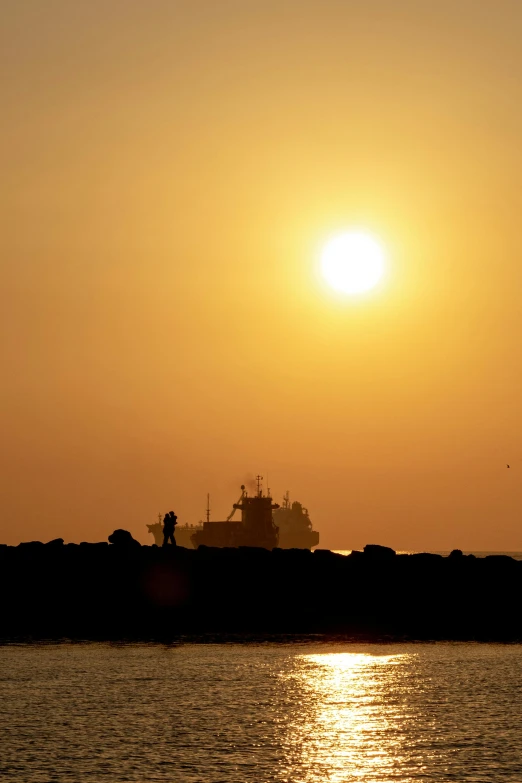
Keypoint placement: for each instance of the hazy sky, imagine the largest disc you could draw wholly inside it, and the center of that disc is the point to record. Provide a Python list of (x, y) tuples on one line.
[(170, 172)]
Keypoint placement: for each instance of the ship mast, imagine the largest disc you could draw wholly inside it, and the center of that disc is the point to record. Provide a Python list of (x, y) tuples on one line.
[(208, 507), (259, 479)]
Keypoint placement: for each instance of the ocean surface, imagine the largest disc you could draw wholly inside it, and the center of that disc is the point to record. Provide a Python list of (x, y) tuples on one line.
[(314, 712), (445, 553)]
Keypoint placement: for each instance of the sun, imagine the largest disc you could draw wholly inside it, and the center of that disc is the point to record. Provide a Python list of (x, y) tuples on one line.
[(353, 262)]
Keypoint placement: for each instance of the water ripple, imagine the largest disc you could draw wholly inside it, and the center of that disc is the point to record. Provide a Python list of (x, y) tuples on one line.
[(265, 713)]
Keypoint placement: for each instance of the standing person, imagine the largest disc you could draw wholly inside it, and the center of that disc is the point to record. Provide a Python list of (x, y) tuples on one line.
[(169, 523)]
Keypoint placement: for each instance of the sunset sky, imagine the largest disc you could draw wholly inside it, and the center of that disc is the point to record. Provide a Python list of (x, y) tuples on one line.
[(171, 171)]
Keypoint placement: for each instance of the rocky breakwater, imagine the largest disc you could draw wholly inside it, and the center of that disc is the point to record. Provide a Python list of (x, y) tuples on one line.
[(123, 590)]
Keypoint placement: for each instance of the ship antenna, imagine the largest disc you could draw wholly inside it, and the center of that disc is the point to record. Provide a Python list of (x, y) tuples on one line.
[(208, 507), (259, 479)]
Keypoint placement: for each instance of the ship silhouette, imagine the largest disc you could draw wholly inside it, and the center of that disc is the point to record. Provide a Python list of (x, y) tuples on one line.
[(263, 523), (295, 526)]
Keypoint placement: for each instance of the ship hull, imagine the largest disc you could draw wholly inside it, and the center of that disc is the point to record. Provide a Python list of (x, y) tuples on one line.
[(298, 540), (234, 534), (183, 536)]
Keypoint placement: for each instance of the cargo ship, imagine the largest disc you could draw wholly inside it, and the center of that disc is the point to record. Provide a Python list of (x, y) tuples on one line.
[(295, 526), (263, 523), (256, 527)]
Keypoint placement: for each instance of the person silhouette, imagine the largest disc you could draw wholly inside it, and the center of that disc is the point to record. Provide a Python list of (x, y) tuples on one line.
[(169, 523)]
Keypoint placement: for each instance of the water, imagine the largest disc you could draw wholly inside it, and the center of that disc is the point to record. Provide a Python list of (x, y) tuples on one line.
[(306, 713)]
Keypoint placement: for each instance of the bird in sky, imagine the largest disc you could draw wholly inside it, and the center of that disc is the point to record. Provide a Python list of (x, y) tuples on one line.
[(508, 466)]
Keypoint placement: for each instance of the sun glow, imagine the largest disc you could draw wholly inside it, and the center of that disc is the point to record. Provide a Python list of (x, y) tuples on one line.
[(350, 715), (353, 262)]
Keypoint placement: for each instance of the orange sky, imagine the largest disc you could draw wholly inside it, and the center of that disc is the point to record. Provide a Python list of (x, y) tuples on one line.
[(170, 171)]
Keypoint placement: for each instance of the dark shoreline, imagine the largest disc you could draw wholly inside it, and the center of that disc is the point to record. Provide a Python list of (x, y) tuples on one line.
[(246, 639), (102, 592)]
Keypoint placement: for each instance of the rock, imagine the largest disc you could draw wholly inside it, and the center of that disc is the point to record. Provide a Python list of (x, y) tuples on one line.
[(498, 559), (377, 552), (254, 551), (326, 557), (123, 538), (113, 591), (30, 544), (456, 553), (55, 542)]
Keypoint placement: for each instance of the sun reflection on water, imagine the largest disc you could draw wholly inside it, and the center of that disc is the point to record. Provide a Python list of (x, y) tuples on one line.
[(349, 720)]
